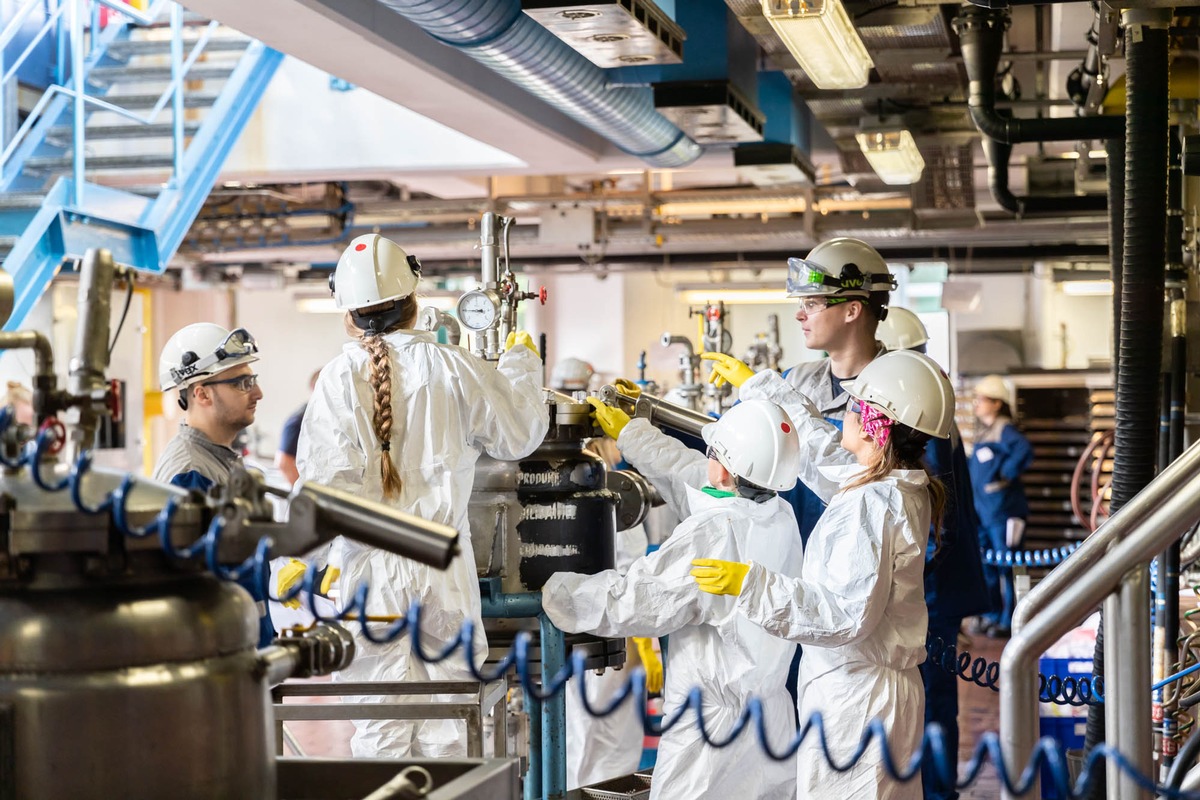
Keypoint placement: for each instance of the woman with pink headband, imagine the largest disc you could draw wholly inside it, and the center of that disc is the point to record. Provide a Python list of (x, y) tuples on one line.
[(858, 607)]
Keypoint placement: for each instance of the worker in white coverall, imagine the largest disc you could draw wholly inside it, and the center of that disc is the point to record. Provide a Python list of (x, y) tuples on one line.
[(401, 419), (729, 505), (858, 607)]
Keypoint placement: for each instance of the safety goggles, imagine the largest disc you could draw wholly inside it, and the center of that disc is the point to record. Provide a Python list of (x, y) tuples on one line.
[(238, 344), (243, 383), (810, 278)]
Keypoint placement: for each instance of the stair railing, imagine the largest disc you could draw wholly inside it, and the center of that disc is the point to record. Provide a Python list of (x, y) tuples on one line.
[(85, 53)]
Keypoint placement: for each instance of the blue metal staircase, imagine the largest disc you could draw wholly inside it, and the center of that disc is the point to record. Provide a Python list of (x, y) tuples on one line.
[(127, 138)]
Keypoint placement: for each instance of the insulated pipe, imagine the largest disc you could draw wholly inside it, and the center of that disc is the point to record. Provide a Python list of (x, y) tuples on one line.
[(86, 383), (981, 36), (498, 35)]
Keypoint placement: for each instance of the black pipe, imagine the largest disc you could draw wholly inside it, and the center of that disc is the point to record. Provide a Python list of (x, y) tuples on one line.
[(981, 37), (997, 154), (1083, 77), (1140, 362), (1115, 175)]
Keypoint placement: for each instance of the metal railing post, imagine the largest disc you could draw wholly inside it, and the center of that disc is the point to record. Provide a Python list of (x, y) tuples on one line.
[(1133, 681), (77, 83), (177, 96), (1114, 653)]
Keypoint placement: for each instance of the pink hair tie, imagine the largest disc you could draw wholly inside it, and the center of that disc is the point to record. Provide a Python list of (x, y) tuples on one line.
[(877, 426)]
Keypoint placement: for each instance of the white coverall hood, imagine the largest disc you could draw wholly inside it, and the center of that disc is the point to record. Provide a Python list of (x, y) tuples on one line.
[(448, 407), (730, 659)]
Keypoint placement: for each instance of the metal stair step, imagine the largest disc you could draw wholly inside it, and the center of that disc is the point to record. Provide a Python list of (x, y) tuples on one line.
[(158, 130), (111, 75), (161, 47), (145, 102), (21, 200), (99, 163)]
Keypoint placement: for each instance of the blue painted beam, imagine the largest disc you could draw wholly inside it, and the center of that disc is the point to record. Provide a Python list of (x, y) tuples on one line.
[(175, 209)]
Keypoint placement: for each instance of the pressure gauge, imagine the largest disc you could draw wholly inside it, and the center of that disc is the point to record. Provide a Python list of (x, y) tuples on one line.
[(478, 309)]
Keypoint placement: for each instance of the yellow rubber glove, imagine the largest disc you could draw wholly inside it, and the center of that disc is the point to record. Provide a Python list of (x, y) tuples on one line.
[(627, 387), (521, 337), (331, 575), (727, 369), (719, 577), (611, 420), (287, 578), (651, 663)]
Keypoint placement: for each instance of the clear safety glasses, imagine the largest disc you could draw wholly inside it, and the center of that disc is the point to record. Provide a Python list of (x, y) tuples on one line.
[(815, 305), (243, 383)]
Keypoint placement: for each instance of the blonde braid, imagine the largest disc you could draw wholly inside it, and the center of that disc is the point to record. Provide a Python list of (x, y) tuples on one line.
[(381, 419)]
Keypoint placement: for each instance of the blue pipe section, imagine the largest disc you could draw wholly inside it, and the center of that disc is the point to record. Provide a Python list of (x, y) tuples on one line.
[(498, 35), (554, 712)]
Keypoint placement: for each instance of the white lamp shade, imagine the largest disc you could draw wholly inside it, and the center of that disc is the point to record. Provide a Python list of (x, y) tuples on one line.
[(822, 38)]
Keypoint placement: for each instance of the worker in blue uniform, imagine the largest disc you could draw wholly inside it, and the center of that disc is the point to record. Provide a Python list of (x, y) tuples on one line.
[(1000, 456), (954, 584)]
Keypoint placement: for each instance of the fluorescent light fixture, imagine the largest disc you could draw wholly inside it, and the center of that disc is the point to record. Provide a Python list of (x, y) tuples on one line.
[(696, 297), (822, 38), (1087, 288), (893, 155)]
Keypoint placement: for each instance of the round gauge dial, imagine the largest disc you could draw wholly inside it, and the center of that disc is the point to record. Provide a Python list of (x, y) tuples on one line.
[(477, 310)]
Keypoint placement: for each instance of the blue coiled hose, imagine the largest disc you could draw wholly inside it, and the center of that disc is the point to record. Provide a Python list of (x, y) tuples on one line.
[(1047, 753), (1028, 558)]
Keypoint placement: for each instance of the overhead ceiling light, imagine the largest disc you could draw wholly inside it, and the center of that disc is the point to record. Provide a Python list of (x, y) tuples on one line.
[(1087, 288), (822, 38), (893, 155)]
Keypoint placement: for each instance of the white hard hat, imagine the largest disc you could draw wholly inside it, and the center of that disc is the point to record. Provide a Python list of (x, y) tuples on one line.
[(910, 388), (571, 375), (901, 330), (202, 350), (373, 270), (841, 267), (994, 387), (756, 441)]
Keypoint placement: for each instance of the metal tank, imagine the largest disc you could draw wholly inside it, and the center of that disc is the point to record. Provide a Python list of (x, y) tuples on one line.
[(126, 669), (557, 510)]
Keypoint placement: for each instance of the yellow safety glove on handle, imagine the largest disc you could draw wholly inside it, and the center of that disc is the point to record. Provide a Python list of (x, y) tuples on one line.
[(627, 387), (521, 337), (727, 369), (611, 420), (719, 577), (331, 575), (651, 663), (287, 578)]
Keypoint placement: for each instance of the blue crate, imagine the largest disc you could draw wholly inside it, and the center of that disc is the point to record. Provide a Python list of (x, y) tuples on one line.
[(1067, 731)]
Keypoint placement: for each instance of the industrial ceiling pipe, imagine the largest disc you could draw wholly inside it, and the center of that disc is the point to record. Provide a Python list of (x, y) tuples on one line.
[(997, 154), (498, 35), (981, 36)]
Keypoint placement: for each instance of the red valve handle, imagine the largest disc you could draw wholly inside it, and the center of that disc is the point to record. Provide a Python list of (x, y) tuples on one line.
[(60, 434), (541, 295)]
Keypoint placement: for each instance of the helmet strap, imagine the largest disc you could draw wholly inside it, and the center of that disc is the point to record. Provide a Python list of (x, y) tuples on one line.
[(752, 491), (380, 318)]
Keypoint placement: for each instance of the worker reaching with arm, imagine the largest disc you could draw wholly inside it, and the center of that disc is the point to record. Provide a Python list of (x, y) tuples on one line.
[(399, 418), (752, 455), (858, 607)]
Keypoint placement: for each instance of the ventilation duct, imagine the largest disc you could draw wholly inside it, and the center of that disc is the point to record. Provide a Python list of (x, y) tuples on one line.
[(496, 34)]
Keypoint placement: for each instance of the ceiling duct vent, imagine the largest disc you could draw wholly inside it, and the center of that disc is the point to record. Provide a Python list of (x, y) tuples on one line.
[(711, 112), (947, 187), (611, 33), (773, 164)]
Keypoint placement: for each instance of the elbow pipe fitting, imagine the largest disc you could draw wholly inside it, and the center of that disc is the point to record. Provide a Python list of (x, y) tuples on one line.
[(981, 36)]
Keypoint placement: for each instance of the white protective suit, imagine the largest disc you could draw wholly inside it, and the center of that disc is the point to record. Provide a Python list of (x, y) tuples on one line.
[(711, 647), (602, 748), (858, 607), (448, 406)]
